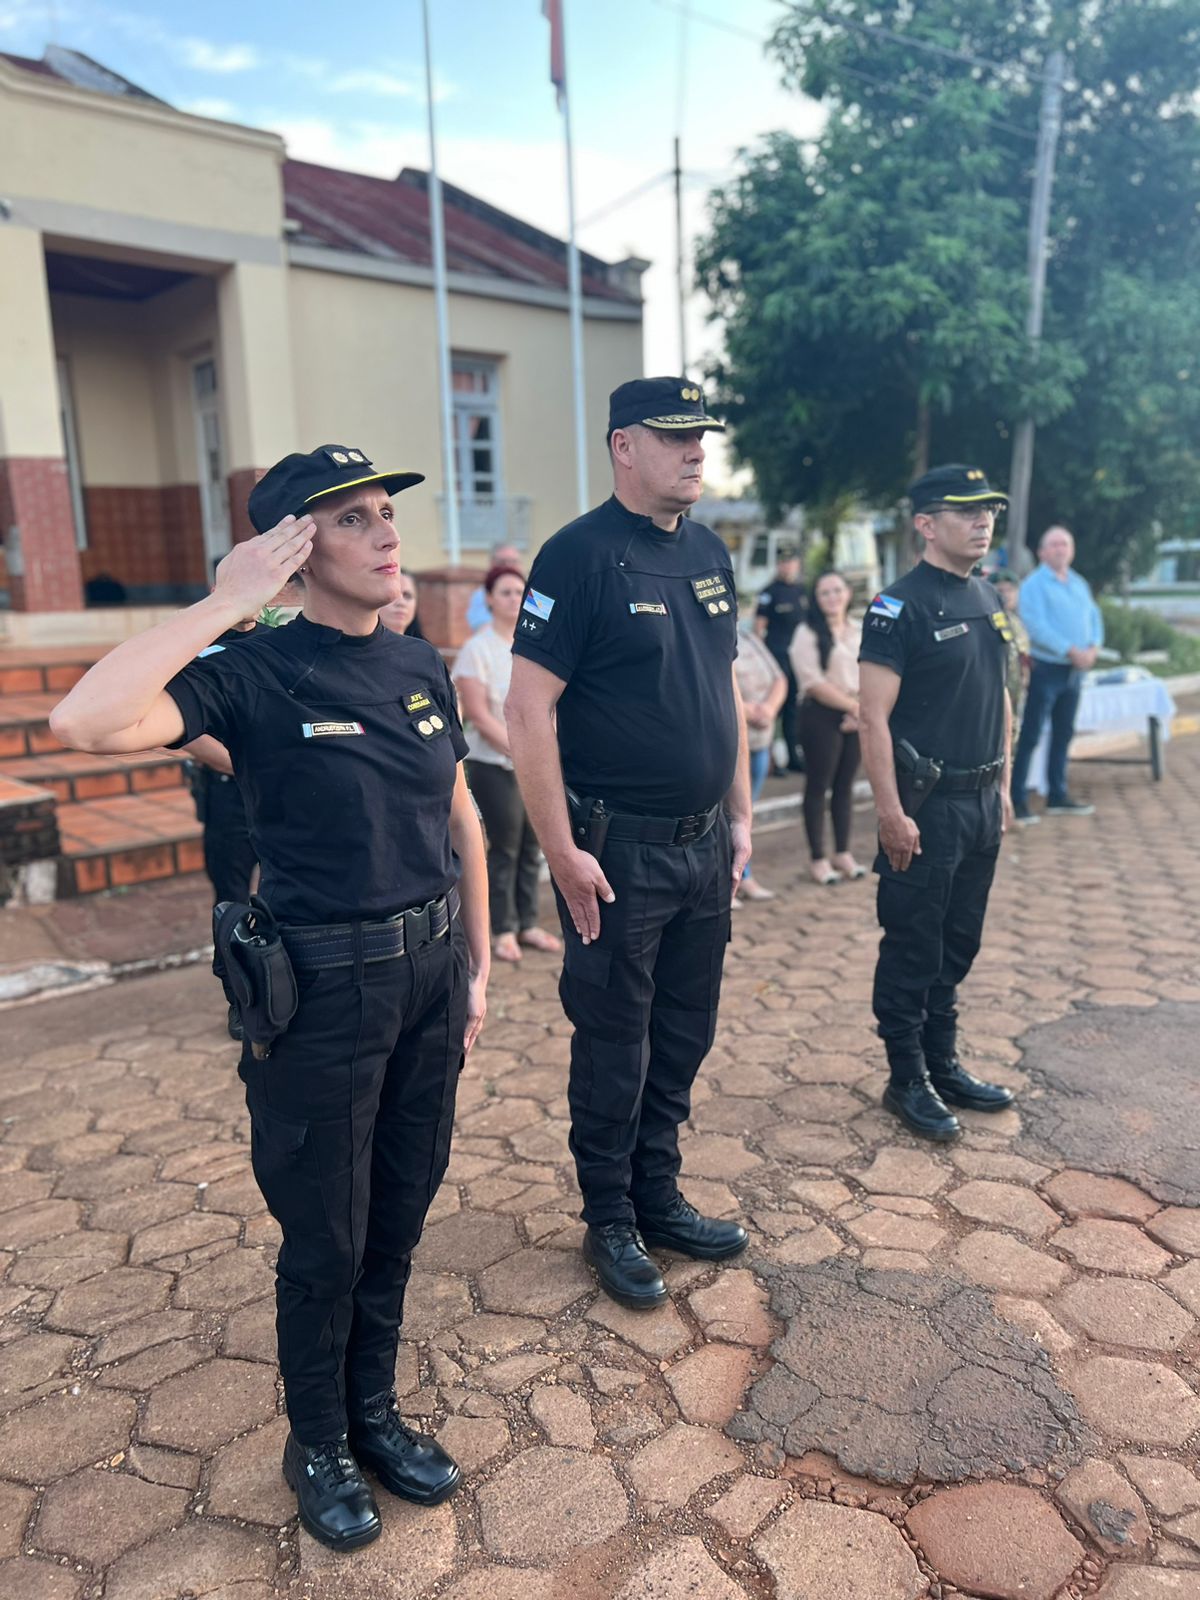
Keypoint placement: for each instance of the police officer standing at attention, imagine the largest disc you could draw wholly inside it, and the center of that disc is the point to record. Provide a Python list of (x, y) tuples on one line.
[(627, 738), (347, 747), (780, 612), (935, 726)]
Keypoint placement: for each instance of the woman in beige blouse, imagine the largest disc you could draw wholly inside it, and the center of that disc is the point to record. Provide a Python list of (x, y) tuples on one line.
[(824, 655), (763, 689)]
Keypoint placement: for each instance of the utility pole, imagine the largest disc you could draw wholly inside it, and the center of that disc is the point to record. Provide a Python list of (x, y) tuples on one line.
[(1049, 124), (680, 268)]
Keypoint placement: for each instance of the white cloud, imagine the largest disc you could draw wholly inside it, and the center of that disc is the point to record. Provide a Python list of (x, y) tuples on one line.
[(204, 56), (370, 80), (210, 106)]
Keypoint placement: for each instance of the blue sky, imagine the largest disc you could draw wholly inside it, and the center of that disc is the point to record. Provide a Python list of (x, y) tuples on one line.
[(345, 86)]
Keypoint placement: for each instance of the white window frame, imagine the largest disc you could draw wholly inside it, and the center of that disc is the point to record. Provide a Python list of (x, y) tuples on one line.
[(210, 405), (475, 403), (70, 437)]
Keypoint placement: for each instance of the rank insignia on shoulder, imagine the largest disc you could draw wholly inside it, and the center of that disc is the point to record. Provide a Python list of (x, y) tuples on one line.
[(415, 701), (326, 730), (430, 727), (885, 605), (999, 621), (955, 632), (529, 626), (647, 608), (880, 621)]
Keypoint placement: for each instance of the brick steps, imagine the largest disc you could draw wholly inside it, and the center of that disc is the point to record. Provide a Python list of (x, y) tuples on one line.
[(128, 839), (25, 725), (53, 671), (74, 776)]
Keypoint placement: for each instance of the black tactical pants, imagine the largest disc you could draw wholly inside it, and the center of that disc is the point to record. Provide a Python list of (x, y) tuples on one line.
[(643, 998), (350, 1123), (932, 921)]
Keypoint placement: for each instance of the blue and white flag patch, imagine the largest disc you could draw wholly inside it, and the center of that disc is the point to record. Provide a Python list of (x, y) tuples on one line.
[(540, 604), (885, 605), (210, 650)]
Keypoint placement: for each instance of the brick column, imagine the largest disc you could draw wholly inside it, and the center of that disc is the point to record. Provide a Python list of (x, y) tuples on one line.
[(240, 484), (39, 534), (444, 594)]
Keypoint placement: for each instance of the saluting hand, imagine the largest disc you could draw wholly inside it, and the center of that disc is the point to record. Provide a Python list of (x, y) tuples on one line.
[(255, 570), (900, 840), (582, 885)]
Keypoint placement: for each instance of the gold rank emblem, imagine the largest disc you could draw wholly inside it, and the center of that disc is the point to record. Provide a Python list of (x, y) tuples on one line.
[(723, 605), (436, 722), (425, 726), (689, 394), (975, 473), (713, 608), (340, 457), (358, 458)]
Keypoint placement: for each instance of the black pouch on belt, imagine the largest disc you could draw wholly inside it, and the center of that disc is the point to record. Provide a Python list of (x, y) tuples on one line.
[(589, 823), (917, 776), (248, 954)]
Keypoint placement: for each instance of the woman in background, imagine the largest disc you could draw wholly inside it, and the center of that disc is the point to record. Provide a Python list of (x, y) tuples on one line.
[(824, 656), (400, 615), (763, 688)]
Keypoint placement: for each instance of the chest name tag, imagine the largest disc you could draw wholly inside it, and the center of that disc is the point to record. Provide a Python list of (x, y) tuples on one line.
[(430, 727), (417, 701), (999, 621), (951, 633), (326, 730), (647, 608), (711, 594)]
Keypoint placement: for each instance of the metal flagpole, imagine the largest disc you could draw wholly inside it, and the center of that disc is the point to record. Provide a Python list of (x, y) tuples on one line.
[(438, 234), (576, 293)]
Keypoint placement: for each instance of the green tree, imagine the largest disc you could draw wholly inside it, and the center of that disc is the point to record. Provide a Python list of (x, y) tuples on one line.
[(872, 283)]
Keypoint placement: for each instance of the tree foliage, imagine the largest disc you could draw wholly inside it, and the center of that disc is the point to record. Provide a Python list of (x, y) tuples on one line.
[(873, 282)]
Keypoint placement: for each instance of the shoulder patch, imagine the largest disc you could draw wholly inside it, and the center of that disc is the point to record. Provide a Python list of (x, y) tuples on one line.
[(210, 650), (885, 605), (541, 605)]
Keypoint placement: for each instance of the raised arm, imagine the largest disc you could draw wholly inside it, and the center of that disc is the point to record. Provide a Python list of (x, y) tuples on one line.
[(121, 705)]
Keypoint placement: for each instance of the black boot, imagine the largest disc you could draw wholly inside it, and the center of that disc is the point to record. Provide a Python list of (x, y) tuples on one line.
[(408, 1463), (958, 1087), (626, 1272), (681, 1228), (918, 1105), (336, 1504)]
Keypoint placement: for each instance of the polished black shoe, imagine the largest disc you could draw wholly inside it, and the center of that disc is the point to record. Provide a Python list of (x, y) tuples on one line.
[(681, 1228), (335, 1501), (234, 1023), (627, 1274), (407, 1463), (920, 1107), (958, 1087)]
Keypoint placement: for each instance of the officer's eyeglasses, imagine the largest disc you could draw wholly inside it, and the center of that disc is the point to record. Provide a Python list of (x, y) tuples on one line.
[(968, 513)]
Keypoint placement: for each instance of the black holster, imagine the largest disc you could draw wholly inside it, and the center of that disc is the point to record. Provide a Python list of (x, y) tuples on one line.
[(917, 776), (589, 823), (249, 958)]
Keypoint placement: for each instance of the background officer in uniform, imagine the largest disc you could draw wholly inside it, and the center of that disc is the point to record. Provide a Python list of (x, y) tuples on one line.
[(347, 747), (623, 687), (934, 661), (780, 612)]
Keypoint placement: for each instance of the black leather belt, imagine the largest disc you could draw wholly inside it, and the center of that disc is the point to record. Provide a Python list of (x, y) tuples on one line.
[(334, 944), (662, 830), (968, 779)]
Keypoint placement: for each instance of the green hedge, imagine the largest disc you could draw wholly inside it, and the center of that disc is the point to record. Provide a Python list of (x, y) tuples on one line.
[(1130, 629)]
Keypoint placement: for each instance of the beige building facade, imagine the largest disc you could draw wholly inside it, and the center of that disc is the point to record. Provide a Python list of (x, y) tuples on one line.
[(181, 305)]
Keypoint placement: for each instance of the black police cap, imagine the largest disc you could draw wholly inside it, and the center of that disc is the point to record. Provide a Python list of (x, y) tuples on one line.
[(292, 484), (672, 405), (954, 485)]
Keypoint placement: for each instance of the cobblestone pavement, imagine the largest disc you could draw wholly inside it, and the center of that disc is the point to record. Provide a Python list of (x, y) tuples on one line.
[(1000, 1338)]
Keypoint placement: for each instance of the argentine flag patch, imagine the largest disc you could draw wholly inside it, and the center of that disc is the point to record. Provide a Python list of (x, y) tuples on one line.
[(541, 605)]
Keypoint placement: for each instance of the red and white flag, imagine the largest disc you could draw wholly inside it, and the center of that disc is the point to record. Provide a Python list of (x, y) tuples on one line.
[(552, 11)]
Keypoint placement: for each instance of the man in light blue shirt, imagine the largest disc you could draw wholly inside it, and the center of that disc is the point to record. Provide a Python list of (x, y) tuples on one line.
[(1065, 630), (479, 612)]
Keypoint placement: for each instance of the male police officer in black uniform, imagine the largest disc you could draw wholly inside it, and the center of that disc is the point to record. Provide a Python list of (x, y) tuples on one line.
[(936, 727), (626, 641), (780, 612)]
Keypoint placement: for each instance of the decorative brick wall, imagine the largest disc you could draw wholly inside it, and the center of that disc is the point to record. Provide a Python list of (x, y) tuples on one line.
[(145, 537), (35, 497), (444, 594)]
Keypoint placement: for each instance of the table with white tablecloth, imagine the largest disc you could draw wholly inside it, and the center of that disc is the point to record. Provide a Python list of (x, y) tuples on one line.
[(1144, 707)]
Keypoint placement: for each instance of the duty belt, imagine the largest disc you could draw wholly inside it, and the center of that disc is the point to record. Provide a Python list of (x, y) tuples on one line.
[(315, 949), (662, 830), (966, 779)]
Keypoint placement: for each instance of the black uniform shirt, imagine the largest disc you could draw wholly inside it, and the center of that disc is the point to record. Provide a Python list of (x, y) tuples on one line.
[(346, 751), (641, 626), (783, 606), (944, 636)]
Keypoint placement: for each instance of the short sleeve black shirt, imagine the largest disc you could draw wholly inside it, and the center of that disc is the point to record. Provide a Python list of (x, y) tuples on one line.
[(943, 635), (782, 604), (345, 750), (641, 626)]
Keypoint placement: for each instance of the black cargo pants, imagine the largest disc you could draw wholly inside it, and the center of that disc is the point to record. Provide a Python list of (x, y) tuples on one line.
[(350, 1122), (643, 999), (932, 920)]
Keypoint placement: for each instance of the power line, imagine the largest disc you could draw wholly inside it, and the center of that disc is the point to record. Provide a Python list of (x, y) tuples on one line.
[(624, 199)]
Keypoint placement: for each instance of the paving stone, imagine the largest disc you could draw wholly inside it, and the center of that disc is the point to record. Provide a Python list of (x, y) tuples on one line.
[(245, 1480), (1037, 1322), (616, 1380), (709, 1384), (1148, 1583), (659, 1333), (63, 1432), (15, 1505), (1000, 1164), (474, 1441), (1184, 1284), (1122, 1311), (897, 1171), (996, 1539), (250, 1331), (49, 1219), (885, 1230), (563, 1415), (25, 1578), (804, 1249), (71, 1258), (680, 1570), (193, 1559), (997, 1261), (209, 1405), (155, 1365), (1111, 1247), (820, 1194), (745, 1506), (191, 1231), (112, 1298), (1004, 1205), (128, 1213), (1138, 1401), (505, 1583), (143, 1333), (1087, 1194), (27, 1363), (237, 1195), (171, 1467), (544, 1282), (709, 1197), (1177, 1227), (734, 1308), (808, 1146), (668, 1471), (492, 1333), (468, 1242), (1099, 1499), (433, 1302), (508, 1375), (816, 1550), (232, 1280), (95, 1517), (1170, 1487), (547, 1501), (99, 1179)]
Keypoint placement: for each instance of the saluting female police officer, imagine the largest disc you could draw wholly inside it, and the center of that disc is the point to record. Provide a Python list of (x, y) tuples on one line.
[(347, 745)]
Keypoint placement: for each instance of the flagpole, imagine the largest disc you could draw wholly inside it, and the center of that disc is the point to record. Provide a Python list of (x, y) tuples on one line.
[(575, 290), (441, 305)]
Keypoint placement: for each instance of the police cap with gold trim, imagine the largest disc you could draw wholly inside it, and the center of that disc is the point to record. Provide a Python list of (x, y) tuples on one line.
[(954, 485), (673, 405), (295, 483)]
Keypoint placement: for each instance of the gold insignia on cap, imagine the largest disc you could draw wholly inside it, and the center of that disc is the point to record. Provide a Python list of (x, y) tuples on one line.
[(340, 457), (689, 394), (975, 473)]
